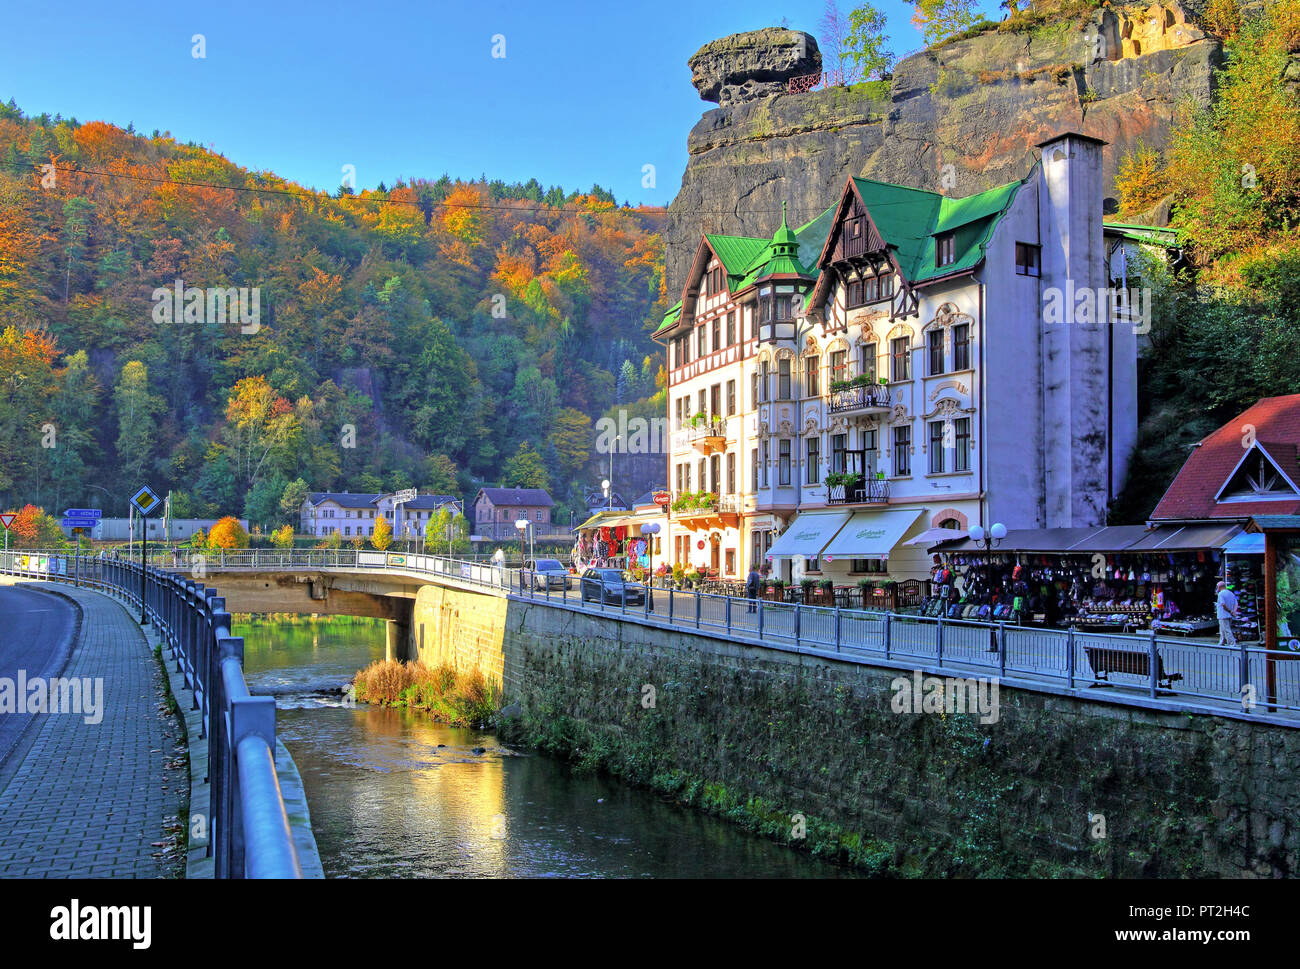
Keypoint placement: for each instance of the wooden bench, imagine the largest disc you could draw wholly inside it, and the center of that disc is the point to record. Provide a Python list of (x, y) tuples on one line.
[(1105, 660)]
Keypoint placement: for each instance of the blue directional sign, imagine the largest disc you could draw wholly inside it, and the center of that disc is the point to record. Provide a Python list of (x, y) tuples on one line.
[(84, 513), (79, 523)]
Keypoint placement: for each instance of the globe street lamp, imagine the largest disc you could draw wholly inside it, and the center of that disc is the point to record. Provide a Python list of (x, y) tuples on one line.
[(988, 540), (609, 497)]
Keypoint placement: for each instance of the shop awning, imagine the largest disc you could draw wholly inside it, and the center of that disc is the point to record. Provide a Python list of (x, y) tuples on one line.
[(871, 534), (808, 534), (1247, 543), (1185, 538), (937, 536), (1111, 538), (602, 519)]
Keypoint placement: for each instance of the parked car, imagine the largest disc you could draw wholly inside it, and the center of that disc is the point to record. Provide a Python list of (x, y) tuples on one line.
[(546, 574), (611, 585)]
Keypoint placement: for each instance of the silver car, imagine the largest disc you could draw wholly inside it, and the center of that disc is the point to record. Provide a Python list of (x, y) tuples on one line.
[(546, 574)]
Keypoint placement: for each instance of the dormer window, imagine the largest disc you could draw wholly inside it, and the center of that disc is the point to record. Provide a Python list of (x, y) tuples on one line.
[(945, 249), (1257, 478)]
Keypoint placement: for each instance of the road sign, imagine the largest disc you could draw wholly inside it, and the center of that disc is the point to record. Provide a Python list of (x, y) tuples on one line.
[(79, 523), (405, 495), (145, 501), (7, 520), (84, 513)]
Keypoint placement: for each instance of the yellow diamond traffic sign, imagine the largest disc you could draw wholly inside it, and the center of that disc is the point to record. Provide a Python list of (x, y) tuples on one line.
[(144, 500)]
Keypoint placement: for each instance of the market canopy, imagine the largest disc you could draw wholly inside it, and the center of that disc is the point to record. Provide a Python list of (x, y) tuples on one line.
[(937, 536), (808, 534), (1185, 538), (1247, 543), (1110, 538), (871, 534)]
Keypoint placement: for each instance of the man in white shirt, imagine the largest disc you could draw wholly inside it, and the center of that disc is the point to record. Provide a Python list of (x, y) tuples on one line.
[(1225, 609)]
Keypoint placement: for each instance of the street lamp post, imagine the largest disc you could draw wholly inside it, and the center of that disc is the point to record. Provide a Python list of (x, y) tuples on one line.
[(609, 495), (988, 540)]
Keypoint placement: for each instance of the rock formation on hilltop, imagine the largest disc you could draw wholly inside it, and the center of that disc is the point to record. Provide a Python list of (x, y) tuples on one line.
[(958, 118)]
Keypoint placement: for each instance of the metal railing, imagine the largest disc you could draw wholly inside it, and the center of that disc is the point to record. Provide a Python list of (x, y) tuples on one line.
[(250, 832), (1125, 666), (1122, 667), (870, 491), (861, 397)]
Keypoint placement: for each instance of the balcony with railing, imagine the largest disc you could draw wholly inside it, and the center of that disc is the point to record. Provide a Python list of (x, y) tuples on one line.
[(856, 490), (707, 434), (706, 509), (858, 395)]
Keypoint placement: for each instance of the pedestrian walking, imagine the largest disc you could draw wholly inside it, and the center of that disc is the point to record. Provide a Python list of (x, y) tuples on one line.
[(752, 585), (1225, 608)]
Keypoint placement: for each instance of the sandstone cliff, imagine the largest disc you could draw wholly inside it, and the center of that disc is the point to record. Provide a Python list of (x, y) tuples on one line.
[(958, 119)]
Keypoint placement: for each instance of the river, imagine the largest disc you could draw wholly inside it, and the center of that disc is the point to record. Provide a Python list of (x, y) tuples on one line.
[(394, 795)]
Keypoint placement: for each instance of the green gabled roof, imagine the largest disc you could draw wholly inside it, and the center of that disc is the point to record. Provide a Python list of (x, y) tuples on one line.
[(671, 317), (908, 219), (737, 253), (1154, 235)]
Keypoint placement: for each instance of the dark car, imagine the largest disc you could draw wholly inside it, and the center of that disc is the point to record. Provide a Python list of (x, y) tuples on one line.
[(611, 585), (546, 574)]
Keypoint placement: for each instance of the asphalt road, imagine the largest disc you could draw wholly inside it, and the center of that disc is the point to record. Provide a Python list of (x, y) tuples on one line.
[(35, 635)]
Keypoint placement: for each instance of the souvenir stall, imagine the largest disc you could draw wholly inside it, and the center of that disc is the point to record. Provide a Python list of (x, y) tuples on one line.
[(1117, 578), (599, 542), (613, 540), (1243, 570)]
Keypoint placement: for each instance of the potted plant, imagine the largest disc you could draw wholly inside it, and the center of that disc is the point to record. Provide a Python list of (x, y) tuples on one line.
[(864, 587), (807, 586), (826, 591)]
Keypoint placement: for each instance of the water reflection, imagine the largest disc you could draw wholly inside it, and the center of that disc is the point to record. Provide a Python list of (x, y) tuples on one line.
[(395, 795)]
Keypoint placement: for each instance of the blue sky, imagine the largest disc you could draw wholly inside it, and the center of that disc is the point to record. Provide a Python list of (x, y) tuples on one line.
[(587, 92)]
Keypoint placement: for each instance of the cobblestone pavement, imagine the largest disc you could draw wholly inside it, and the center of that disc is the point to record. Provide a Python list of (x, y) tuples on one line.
[(98, 800)]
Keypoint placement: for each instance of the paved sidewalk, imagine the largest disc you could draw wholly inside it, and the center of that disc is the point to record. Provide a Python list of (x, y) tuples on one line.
[(92, 800)]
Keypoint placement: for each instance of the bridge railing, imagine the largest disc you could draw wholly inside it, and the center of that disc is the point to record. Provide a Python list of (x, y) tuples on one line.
[(250, 832)]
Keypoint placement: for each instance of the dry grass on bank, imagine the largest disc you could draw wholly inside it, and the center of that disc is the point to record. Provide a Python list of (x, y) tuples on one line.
[(459, 699)]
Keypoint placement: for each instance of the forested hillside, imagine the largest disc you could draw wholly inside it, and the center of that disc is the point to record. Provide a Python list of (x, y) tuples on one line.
[(1227, 331), (420, 335)]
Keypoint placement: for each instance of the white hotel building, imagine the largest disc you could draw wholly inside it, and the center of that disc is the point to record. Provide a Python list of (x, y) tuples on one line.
[(842, 390)]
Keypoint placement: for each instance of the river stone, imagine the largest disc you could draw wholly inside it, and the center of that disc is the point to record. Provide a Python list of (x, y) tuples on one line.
[(752, 65)]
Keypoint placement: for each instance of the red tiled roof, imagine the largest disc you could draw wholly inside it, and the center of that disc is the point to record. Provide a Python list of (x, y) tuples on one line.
[(1276, 423)]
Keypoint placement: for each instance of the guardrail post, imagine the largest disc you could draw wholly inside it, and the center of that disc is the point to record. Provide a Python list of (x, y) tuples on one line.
[(697, 608), (1151, 663), (939, 641), (837, 628), (1069, 658), (728, 615), (760, 618), (888, 617), (796, 624), (670, 605), (249, 716), (1245, 670), (1002, 649), (221, 764)]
